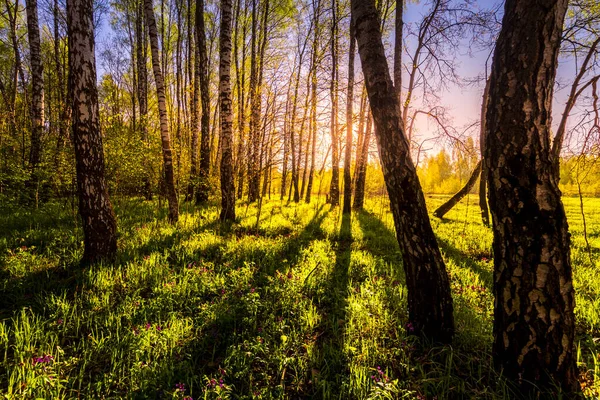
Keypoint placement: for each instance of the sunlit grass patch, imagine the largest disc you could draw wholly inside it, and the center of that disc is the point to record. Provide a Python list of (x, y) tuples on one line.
[(294, 301)]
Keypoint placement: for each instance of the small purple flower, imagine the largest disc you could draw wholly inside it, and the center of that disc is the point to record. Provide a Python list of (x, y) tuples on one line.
[(180, 387), (60, 321), (148, 326), (46, 359), (252, 290), (410, 328), (158, 328)]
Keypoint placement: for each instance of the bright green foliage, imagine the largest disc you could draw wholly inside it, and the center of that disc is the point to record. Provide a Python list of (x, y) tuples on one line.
[(306, 306)]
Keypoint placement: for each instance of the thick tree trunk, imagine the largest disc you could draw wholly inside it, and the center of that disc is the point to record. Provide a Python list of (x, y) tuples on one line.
[(534, 323), (334, 191), (99, 222), (37, 94), (429, 299), (447, 206), (162, 111), (361, 169), (225, 115), (347, 207), (142, 87), (204, 170)]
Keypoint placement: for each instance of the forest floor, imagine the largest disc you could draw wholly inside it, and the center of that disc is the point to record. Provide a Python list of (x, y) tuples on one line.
[(304, 303)]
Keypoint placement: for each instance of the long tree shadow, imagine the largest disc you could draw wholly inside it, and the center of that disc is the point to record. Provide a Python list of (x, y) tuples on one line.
[(460, 258), (332, 362), (237, 325), (379, 239)]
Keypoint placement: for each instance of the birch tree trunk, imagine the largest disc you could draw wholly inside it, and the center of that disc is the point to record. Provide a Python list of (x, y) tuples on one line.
[(313, 97), (225, 115), (361, 168), (334, 191), (193, 185), (162, 112), (99, 222), (534, 322), (429, 300), (37, 94), (347, 206), (142, 87), (204, 170)]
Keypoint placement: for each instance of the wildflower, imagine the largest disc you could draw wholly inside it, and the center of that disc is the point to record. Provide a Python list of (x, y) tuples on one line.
[(180, 387), (158, 328), (46, 359), (252, 290), (410, 328), (59, 322), (222, 291), (148, 326), (188, 398)]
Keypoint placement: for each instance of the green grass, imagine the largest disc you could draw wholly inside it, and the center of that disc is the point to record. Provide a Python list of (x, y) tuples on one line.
[(304, 304)]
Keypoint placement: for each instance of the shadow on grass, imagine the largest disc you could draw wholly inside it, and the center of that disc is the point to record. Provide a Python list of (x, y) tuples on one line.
[(379, 239), (237, 326), (461, 259), (332, 367)]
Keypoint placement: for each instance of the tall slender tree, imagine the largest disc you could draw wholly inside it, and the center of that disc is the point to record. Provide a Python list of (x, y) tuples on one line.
[(162, 112), (313, 95), (226, 115), (429, 300), (142, 86), (37, 92), (204, 170), (99, 222), (534, 322), (347, 206), (334, 191)]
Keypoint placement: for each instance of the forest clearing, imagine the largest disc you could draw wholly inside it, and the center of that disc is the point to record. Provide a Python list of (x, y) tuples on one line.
[(301, 306)]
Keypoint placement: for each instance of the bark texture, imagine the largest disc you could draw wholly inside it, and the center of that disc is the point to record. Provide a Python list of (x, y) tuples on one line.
[(429, 301), (99, 222), (162, 112), (226, 115), (534, 323)]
